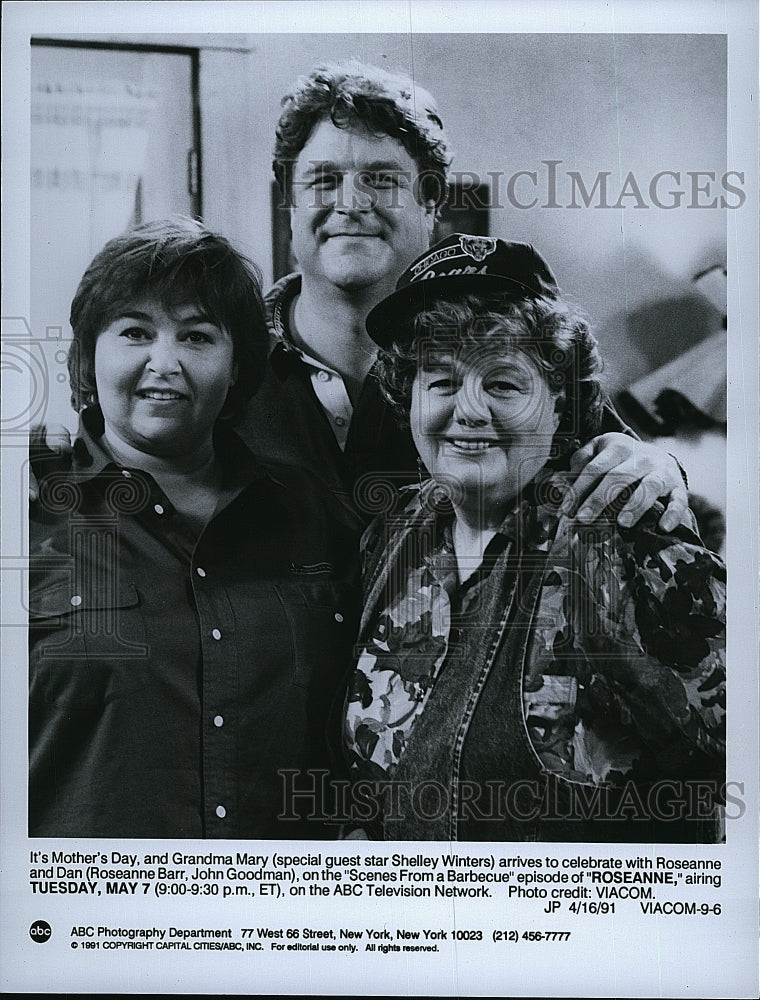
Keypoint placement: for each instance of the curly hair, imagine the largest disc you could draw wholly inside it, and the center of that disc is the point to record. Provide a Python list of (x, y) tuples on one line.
[(355, 94), (554, 335), (176, 261)]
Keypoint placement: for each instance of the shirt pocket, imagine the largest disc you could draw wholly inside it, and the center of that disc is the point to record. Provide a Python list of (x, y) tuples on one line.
[(322, 621), (85, 649)]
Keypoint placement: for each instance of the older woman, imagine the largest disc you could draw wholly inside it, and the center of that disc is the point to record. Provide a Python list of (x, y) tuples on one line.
[(522, 676), (190, 609)]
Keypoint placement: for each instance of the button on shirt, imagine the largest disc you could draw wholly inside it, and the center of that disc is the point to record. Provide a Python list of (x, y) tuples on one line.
[(330, 390), (172, 676)]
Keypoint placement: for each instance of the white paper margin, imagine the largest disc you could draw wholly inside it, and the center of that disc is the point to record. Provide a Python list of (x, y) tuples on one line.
[(663, 957)]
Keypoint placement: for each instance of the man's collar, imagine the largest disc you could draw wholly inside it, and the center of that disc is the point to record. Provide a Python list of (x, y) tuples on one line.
[(277, 304)]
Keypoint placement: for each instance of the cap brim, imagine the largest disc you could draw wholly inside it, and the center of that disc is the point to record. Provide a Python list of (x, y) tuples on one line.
[(383, 321)]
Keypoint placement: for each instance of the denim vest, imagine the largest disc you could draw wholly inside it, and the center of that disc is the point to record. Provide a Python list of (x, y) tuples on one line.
[(470, 770)]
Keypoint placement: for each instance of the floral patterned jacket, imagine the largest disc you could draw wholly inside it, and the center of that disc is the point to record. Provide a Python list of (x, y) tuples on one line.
[(589, 687)]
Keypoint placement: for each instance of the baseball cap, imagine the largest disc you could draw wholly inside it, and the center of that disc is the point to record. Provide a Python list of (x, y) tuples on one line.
[(458, 265)]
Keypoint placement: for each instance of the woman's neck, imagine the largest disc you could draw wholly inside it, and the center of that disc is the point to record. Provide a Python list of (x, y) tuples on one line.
[(193, 462), (471, 539), (191, 481)]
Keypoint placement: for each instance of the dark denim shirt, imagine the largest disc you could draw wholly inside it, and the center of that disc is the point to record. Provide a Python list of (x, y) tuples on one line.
[(173, 676)]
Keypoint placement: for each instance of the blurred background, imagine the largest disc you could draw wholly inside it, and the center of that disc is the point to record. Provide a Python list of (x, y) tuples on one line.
[(132, 127)]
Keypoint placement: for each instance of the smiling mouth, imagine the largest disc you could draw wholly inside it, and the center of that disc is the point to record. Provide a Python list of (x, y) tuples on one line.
[(353, 236), (163, 395), (470, 445)]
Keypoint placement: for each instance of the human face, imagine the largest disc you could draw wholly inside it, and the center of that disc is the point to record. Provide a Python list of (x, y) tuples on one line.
[(483, 423), (162, 378), (356, 223)]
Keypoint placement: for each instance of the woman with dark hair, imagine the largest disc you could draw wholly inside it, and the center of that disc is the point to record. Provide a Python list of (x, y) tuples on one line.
[(522, 676), (190, 609)]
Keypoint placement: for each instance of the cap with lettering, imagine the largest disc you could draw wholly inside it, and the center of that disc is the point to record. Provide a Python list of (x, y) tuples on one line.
[(460, 265)]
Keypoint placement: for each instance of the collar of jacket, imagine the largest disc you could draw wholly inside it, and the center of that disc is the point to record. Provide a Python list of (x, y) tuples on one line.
[(531, 524), (276, 304), (532, 519), (283, 354)]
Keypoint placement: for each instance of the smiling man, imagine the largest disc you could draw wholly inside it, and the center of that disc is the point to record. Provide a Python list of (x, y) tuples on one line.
[(362, 158), (357, 216)]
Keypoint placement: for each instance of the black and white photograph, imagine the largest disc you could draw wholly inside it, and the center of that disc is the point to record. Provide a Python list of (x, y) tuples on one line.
[(379, 546)]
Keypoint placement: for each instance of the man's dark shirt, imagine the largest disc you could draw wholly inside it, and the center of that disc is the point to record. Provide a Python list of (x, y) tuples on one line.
[(171, 677), (285, 421)]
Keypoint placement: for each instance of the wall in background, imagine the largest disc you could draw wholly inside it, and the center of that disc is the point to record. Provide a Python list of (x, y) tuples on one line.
[(640, 104), (625, 104)]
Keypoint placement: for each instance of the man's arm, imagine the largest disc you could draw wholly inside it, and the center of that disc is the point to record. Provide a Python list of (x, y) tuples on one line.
[(606, 466)]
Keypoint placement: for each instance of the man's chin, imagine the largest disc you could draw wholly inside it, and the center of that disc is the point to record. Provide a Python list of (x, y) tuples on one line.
[(359, 265), (362, 280)]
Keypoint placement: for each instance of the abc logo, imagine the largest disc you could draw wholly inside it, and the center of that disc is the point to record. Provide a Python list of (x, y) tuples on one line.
[(40, 931)]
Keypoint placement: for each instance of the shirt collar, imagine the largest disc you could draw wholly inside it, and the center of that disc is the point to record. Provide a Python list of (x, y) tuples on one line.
[(277, 303), (90, 459)]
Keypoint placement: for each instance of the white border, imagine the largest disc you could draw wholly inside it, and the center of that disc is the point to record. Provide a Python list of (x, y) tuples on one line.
[(737, 18)]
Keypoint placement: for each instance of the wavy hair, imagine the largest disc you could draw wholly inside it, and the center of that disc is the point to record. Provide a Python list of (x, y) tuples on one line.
[(176, 261), (554, 335), (356, 94)]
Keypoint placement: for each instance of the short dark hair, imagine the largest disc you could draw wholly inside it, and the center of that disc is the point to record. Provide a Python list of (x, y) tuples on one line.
[(355, 94), (551, 332), (176, 261)]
